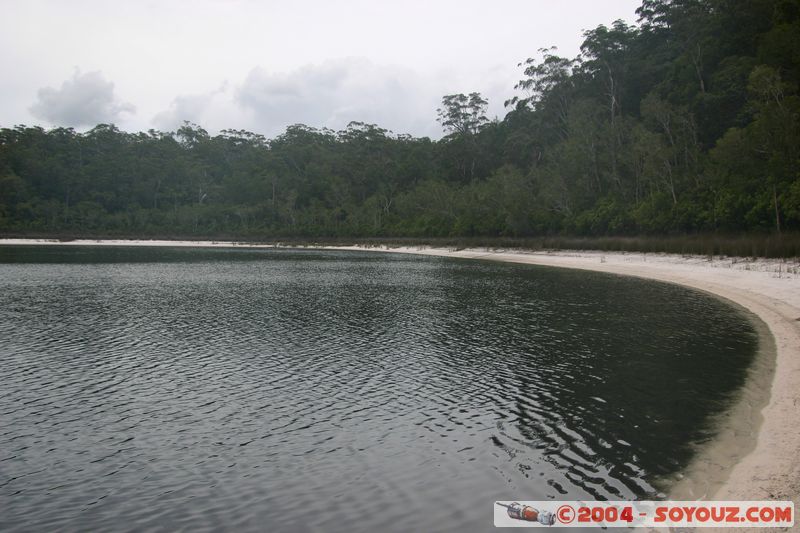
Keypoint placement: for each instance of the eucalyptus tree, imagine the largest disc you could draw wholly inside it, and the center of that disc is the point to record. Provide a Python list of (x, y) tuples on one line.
[(462, 117)]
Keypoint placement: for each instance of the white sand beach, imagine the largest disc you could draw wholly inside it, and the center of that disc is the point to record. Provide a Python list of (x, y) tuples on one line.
[(756, 455)]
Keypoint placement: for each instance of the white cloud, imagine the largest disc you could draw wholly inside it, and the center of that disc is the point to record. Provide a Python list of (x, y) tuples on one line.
[(168, 61), (190, 107), (336, 92), (83, 100)]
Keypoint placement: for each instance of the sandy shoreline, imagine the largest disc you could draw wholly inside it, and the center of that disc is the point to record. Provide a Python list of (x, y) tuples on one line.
[(766, 415), (761, 465)]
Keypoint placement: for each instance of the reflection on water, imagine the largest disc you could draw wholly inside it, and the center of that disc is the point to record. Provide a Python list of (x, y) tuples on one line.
[(310, 391)]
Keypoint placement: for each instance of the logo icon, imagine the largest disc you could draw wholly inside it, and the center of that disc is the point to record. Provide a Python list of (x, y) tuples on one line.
[(527, 513), (565, 514)]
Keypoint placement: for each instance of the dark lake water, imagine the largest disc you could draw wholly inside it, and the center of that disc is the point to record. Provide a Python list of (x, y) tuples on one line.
[(278, 390)]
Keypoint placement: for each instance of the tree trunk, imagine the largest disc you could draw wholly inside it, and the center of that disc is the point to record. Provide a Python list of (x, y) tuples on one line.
[(66, 207), (697, 61), (155, 194)]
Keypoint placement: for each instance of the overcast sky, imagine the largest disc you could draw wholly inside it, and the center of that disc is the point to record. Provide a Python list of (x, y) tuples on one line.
[(262, 65)]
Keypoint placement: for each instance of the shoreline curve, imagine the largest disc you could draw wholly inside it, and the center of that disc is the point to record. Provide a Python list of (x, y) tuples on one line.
[(770, 290), (769, 469)]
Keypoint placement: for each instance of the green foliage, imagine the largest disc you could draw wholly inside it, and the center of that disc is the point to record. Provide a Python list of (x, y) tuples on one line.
[(462, 114), (688, 122)]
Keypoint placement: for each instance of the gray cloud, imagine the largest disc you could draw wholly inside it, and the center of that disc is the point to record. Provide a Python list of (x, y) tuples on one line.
[(336, 92), (187, 107), (452, 48), (83, 100)]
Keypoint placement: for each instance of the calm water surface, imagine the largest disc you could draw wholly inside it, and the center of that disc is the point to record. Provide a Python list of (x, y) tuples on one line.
[(193, 389)]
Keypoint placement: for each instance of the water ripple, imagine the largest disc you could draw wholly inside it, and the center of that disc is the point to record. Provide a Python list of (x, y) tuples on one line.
[(300, 391)]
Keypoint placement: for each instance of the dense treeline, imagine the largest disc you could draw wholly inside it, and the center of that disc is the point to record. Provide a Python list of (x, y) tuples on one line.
[(687, 122)]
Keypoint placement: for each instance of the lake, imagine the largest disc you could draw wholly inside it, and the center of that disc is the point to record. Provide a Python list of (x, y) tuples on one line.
[(300, 390)]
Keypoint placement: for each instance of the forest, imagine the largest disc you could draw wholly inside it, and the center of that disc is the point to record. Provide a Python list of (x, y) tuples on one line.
[(685, 122)]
